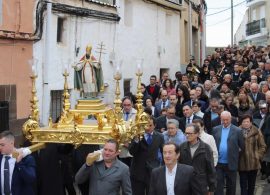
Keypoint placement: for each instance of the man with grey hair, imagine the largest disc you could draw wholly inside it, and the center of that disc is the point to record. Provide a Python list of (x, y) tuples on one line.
[(255, 95), (253, 79), (173, 133), (207, 88), (261, 113), (230, 142)]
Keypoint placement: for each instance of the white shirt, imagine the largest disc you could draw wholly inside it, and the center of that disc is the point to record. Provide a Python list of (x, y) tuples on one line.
[(199, 114), (262, 114), (209, 139), (190, 119), (11, 162), (170, 177)]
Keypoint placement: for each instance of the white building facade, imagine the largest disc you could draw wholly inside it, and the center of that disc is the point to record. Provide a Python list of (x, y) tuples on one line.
[(255, 26), (129, 29)]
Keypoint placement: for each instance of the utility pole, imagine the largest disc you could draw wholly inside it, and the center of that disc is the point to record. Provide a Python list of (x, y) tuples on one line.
[(231, 23), (190, 30)]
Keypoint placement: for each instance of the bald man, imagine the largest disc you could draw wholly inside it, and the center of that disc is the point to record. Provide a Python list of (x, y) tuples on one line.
[(229, 141)]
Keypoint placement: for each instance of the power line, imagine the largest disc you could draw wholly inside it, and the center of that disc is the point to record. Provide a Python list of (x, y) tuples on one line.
[(226, 9), (219, 22), (217, 7)]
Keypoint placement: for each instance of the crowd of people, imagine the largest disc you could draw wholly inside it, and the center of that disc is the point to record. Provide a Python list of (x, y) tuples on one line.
[(217, 113), (206, 126)]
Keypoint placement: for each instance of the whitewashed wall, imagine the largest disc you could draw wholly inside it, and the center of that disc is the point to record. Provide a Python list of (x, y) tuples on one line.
[(150, 32)]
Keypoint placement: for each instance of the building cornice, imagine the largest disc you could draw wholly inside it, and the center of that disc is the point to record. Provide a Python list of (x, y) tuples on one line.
[(168, 4)]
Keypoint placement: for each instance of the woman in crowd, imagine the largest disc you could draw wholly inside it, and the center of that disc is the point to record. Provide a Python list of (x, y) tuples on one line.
[(244, 103), (249, 159), (182, 94), (228, 105), (215, 82), (144, 92), (200, 94), (169, 87), (148, 103), (264, 87)]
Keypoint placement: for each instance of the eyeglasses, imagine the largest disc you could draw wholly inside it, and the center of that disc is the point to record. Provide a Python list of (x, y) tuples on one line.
[(126, 104), (187, 133)]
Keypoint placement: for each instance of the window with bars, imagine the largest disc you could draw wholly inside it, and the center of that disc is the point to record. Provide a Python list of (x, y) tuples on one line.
[(56, 104), (8, 94)]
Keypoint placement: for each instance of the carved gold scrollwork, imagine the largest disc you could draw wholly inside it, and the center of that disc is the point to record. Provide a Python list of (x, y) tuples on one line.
[(76, 137), (28, 126)]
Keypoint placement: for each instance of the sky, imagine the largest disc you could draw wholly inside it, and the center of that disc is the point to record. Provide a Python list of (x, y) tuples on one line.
[(218, 26)]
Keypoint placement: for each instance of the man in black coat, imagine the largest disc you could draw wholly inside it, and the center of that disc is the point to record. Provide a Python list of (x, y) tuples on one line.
[(146, 154), (180, 177), (199, 155), (161, 122), (211, 114)]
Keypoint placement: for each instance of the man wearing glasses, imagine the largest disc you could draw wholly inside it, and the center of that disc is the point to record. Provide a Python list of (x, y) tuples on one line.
[(199, 155), (129, 114)]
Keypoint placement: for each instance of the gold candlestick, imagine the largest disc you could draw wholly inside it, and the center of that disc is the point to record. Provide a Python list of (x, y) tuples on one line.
[(34, 107), (139, 94), (66, 95), (117, 102)]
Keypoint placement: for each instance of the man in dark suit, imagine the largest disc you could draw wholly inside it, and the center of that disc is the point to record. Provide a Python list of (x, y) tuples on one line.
[(16, 178), (163, 103), (210, 114), (173, 178), (260, 114), (161, 122), (229, 140), (193, 98), (188, 117), (153, 89), (255, 95), (146, 156)]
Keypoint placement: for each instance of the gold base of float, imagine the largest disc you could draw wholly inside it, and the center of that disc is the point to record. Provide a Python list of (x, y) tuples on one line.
[(75, 127), (90, 104)]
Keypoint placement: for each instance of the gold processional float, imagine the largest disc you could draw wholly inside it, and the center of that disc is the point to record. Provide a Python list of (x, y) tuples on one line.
[(71, 127)]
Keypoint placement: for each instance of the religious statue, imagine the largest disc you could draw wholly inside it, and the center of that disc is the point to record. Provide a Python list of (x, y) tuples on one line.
[(88, 76)]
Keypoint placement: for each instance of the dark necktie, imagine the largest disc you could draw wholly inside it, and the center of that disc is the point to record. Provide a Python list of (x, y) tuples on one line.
[(254, 96), (149, 139), (6, 176), (163, 104), (126, 116), (188, 120)]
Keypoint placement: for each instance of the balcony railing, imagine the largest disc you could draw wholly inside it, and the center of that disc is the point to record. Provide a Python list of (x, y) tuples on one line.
[(254, 27)]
